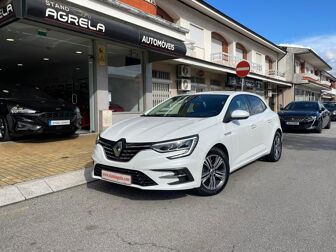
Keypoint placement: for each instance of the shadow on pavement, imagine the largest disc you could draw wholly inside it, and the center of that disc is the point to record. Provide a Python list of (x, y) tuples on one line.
[(44, 138), (301, 142), (134, 193)]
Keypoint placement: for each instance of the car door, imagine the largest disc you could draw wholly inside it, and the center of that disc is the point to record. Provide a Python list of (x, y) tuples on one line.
[(259, 125), (237, 133)]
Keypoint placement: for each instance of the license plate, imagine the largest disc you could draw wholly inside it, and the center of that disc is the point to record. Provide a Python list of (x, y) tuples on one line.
[(293, 123), (116, 177), (59, 122)]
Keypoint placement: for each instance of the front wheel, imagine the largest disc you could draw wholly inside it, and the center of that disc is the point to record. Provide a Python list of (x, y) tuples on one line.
[(319, 127), (276, 150), (215, 173), (4, 133)]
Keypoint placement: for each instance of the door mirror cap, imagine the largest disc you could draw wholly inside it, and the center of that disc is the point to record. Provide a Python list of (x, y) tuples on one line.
[(239, 115)]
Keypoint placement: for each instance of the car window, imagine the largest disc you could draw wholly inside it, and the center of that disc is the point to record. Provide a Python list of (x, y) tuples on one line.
[(190, 106), (303, 106), (238, 102), (257, 105)]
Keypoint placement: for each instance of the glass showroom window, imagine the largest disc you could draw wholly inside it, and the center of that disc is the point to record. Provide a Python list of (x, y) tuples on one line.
[(125, 79)]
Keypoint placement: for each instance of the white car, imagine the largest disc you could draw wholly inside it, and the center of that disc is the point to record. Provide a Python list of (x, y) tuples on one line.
[(189, 142)]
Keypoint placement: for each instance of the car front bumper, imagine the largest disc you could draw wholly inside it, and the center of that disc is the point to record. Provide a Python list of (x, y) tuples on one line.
[(310, 125), (34, 124), (153, 171)]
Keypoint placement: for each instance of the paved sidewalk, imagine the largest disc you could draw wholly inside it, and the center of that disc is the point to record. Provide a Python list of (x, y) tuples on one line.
[(28, 160)]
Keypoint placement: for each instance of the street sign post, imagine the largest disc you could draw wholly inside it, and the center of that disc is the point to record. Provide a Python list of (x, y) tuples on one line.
[(242, 70)]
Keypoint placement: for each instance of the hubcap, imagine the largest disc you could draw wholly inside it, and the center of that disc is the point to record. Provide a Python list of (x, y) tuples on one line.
[(214, 172), (277, 147)]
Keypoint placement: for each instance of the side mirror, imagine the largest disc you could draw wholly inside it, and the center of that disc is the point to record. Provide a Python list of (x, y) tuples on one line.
[(322, 109), (282, 108), (239, 115)]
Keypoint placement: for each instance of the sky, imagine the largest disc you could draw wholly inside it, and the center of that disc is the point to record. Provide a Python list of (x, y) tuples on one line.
[(304, 22)]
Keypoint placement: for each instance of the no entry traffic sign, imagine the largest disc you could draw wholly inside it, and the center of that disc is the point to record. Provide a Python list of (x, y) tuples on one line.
[(243, 69)]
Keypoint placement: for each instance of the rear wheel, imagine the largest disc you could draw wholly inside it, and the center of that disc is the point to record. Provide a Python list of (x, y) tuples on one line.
[(4, 134), (215, 173), (276, 150)]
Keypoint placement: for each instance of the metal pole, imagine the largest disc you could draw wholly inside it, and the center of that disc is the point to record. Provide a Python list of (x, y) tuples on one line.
[(242, 85)]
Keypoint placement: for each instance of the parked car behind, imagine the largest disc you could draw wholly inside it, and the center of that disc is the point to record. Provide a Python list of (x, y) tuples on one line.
[(189, 142), (27, 110), (305, 115), (331, 106)]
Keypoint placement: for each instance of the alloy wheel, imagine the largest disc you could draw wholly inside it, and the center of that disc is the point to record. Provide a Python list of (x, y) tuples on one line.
[(277, 147), (214, 172)]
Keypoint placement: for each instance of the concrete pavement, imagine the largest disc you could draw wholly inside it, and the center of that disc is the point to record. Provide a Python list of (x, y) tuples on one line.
[(286, 206)]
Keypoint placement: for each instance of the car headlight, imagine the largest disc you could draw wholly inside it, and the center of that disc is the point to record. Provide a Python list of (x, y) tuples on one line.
[(311, 118), (184, 145), (97, 139), (334, 113), (22, 110)]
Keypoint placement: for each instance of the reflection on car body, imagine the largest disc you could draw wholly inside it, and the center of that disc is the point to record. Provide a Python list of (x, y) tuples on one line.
[(27, 110), (189, 142)]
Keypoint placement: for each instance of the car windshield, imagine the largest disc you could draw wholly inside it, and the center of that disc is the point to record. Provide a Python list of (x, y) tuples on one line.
[(23, 92), (190, 106), (303, 106), (330, 106)]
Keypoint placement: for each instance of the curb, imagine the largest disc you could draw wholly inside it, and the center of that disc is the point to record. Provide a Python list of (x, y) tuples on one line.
[(35, 188)]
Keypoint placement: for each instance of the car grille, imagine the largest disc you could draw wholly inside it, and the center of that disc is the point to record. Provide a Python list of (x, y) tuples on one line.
[(297, 118), (127, 153), (138, 178), (60, 115)]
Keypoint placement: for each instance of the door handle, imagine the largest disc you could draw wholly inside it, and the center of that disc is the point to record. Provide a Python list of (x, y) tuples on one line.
[(253, 126), (269, 121)]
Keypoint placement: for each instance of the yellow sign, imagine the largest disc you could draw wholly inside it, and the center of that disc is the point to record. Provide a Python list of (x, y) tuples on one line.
[(102, 55)]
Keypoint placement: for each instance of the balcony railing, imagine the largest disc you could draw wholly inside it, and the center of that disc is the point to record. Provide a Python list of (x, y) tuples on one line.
[(311, 76), (276, 74), (231, 61), (324, 82)]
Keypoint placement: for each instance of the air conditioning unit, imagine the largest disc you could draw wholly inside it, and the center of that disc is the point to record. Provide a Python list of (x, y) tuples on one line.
[(184, 84), (183, 71)]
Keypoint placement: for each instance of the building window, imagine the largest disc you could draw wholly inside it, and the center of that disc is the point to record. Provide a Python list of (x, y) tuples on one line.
[(215, 83), (219, 47), (269, 63), (161, 75), (197, 36), (125, 79), (241, 52)]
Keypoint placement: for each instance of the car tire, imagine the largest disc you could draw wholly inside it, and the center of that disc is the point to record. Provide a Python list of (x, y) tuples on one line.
[(4, 133), (215, 173), (276, 151), (328, 125), (319, 127)]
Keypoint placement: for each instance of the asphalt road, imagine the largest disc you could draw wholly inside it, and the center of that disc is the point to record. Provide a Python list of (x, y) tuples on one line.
[(286, 206)]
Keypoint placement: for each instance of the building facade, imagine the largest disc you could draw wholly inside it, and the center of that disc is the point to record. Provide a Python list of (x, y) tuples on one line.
[(309, 74), (127, 56)]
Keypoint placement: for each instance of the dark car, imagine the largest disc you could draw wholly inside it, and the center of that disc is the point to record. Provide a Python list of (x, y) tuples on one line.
[(331, 106), (305, 115), (29, 111)]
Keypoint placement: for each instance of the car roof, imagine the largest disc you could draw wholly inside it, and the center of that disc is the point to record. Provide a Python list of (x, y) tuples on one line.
[(229, 93)]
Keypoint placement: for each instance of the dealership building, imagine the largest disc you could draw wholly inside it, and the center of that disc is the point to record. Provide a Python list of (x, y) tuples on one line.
[(127, 56)]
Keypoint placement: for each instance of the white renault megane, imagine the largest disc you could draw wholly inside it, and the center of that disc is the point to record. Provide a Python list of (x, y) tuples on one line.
[(189, 142)]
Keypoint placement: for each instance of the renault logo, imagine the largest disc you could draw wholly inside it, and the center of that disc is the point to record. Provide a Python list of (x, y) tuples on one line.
[(118, 147)]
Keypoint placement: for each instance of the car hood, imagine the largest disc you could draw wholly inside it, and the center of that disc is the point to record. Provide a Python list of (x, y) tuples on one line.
[(42, 105), (155, 129), (298, 113)]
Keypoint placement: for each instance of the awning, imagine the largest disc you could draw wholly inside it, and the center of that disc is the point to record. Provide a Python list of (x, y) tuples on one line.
[(69, 16)]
